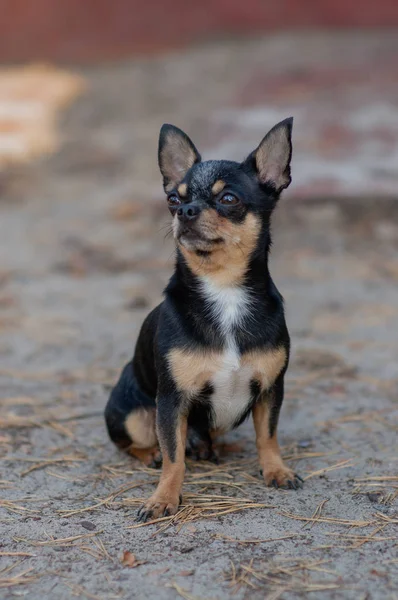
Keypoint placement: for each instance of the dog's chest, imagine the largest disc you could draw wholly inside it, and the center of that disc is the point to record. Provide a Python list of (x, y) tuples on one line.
[(232, 376), (226, 371), (231, 390)]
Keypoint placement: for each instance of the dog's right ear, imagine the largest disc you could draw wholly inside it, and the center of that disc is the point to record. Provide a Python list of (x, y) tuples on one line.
[(176, 155)]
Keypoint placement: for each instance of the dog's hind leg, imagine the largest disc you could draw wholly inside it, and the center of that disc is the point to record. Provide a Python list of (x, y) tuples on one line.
[(141, 429), (130, 417)]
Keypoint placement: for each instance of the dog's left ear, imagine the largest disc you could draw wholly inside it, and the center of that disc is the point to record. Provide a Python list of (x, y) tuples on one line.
[(271, 159), (176, 155)]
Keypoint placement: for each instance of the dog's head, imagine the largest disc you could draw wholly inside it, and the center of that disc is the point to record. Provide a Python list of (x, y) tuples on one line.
[(220, 207)]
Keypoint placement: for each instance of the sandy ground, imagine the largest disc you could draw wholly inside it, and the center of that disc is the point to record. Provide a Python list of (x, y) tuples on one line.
[(83, 260)]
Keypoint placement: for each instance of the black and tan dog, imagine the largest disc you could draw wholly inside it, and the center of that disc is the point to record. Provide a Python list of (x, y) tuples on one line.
[(217, 348)]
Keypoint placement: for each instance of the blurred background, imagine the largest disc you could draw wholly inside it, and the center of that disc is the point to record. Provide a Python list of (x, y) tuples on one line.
[(84, 90)]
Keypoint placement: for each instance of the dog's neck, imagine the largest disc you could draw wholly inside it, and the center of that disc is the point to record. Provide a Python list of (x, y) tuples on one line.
[(192, 275), (216, 310)]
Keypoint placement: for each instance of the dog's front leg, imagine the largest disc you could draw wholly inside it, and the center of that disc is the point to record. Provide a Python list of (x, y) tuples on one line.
[(172, 433), (265, 418)]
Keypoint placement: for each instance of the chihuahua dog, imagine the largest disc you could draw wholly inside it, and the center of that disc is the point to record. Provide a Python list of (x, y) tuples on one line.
[(217, 348)]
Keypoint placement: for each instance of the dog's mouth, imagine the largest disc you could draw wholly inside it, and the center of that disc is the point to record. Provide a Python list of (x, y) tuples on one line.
[(198, 241)]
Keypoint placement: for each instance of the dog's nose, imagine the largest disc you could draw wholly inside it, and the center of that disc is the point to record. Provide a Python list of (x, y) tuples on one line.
[(187, 212)]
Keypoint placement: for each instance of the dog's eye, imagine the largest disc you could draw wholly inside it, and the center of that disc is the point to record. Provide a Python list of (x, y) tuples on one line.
[(173, 200), (229, 200)]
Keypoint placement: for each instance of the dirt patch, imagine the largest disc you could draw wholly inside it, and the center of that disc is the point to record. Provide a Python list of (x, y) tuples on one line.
[(68, 497)]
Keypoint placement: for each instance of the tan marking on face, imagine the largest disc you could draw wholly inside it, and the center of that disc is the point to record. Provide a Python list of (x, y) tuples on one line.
[(266, 365), (191, 369), (269, 453), (218, 186), (228, 261), (166, 496), (140, 425), (175, 225), (182, 190)]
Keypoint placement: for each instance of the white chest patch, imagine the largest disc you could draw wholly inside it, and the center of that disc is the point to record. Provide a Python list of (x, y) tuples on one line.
[(231, 382), (227, 304), (231, 391)]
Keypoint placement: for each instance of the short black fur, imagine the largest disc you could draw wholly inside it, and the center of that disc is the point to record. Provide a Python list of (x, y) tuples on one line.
[(183, 320)]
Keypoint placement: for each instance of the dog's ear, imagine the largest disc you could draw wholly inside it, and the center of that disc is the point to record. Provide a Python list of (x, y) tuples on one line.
[(271, 159), (176, 155)]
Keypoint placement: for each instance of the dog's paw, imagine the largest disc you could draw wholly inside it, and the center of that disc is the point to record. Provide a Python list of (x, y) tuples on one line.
[(202, 453), (155, 461), (282, 477), (151, 457), (158, 506), (200, 449)]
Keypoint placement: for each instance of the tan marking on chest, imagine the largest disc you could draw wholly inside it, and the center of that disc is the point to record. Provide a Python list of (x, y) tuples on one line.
[(228, 262), (266, 365), (191, 369)]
